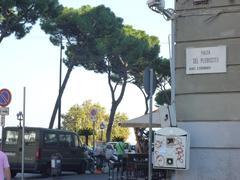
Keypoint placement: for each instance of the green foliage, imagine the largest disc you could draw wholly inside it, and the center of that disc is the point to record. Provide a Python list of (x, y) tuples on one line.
[(162, 70), (97, 40), (127, 57), (145, 54), (130, 53), (161, 67), (163, 97), (85, 30), (17, 17), (118, 131), (85, 132), (78, 119), (118, 139)]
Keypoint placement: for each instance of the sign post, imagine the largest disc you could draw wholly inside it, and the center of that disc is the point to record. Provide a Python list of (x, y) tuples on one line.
[(5, 99), (150, 87), (4, 111), (93, 115), (2, 120)]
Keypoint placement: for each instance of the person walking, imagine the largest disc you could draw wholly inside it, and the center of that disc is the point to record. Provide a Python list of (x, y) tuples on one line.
[(4, 167), (120, 146)]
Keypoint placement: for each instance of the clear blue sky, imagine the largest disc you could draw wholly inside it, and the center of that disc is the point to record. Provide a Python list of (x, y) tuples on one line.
[(33, 62)]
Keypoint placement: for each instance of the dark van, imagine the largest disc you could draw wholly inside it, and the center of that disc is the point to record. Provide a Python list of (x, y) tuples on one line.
[(40, 145)]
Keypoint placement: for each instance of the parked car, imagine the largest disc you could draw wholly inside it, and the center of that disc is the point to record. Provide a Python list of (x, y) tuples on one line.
[(40, 145)]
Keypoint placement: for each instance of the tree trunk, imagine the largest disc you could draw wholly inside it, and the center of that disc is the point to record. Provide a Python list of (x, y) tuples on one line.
[(60, 96), (86, 140), (111, 120), (136, 130), (115, 103)]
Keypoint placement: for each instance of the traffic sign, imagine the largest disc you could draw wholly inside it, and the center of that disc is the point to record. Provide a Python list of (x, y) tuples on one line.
[(93, 114), (4, 110), (147, 79), (5, 97)]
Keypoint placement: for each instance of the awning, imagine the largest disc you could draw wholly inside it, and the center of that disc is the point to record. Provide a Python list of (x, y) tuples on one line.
[(160, 118)]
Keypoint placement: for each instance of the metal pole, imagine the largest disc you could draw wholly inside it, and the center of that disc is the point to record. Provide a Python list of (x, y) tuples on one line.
[(93, 134), (3, 124), (2, 137), (150, 128), (173, 74), (60, 84), (23, 129), (173, 77)]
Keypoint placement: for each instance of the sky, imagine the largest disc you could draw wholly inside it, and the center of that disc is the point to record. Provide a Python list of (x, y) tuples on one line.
[(33, 62)]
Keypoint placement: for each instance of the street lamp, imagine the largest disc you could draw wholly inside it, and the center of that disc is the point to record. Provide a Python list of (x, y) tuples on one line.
[(102, 127), (168, 14), (20, 117)]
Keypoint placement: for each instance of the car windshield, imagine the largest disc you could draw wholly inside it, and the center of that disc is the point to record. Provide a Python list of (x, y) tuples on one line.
[(11, 137)]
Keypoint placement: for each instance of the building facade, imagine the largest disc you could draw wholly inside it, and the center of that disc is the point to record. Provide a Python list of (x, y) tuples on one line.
[(207, 86)]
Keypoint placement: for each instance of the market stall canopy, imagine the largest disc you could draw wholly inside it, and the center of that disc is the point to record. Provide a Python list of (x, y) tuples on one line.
[(160, 118)]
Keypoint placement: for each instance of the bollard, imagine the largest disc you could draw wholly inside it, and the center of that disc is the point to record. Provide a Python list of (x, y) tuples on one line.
[(55, 165)]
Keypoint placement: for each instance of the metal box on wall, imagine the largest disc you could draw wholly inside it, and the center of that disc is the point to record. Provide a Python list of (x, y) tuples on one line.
[(171, 149)]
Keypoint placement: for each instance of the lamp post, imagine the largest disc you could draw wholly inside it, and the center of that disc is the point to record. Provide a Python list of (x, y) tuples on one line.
[(20, 117), (102, 127)]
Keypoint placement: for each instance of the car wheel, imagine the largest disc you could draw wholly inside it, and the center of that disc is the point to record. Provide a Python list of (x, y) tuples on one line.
[(47, 170)]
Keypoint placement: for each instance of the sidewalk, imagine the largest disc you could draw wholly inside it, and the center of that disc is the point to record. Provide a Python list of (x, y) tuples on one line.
[(65, 176)]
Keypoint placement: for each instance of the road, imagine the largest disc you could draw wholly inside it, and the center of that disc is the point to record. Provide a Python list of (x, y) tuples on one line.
[(65, 176)]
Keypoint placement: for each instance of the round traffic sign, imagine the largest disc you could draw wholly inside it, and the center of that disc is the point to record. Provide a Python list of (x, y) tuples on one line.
[(5, 97), (93, 114)]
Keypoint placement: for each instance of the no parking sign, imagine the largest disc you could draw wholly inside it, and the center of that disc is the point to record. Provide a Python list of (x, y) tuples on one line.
[(5, 97), (93, 114)]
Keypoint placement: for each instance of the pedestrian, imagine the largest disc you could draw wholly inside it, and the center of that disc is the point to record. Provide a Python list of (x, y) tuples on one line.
[(110, 152), (99, 153), (120, 149), (4, 167)]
